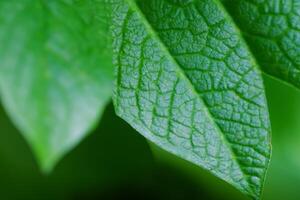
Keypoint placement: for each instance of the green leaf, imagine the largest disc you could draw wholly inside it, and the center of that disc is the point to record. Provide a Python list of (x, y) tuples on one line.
[(187, 81), (272, 30), (55, 71)]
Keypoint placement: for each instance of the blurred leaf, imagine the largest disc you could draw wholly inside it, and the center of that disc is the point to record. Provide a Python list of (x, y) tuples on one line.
[(272, 30), (188, 83), (55, 71)]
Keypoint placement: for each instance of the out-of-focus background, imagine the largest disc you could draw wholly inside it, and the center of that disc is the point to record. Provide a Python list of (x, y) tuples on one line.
[(115, 162)]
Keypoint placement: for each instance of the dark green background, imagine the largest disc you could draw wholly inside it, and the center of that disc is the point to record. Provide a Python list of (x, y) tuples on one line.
[(115, 162)]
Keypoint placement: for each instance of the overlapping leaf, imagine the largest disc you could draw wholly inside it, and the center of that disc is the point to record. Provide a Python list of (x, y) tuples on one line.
[(272, 30)]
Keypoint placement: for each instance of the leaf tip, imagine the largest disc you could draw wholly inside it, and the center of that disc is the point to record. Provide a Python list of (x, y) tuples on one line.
[(47, 164), (46, 159)]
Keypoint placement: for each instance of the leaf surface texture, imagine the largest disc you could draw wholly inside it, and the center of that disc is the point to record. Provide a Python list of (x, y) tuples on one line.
[(272, 30), (187, 81)]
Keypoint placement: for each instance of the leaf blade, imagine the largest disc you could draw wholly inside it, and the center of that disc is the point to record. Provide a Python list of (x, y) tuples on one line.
[(156, 94)]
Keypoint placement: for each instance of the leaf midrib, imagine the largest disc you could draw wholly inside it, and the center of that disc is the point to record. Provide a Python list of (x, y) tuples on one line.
[(181, 73)]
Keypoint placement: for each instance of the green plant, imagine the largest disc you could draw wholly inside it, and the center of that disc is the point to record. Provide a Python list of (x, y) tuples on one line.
[(188, 75)]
